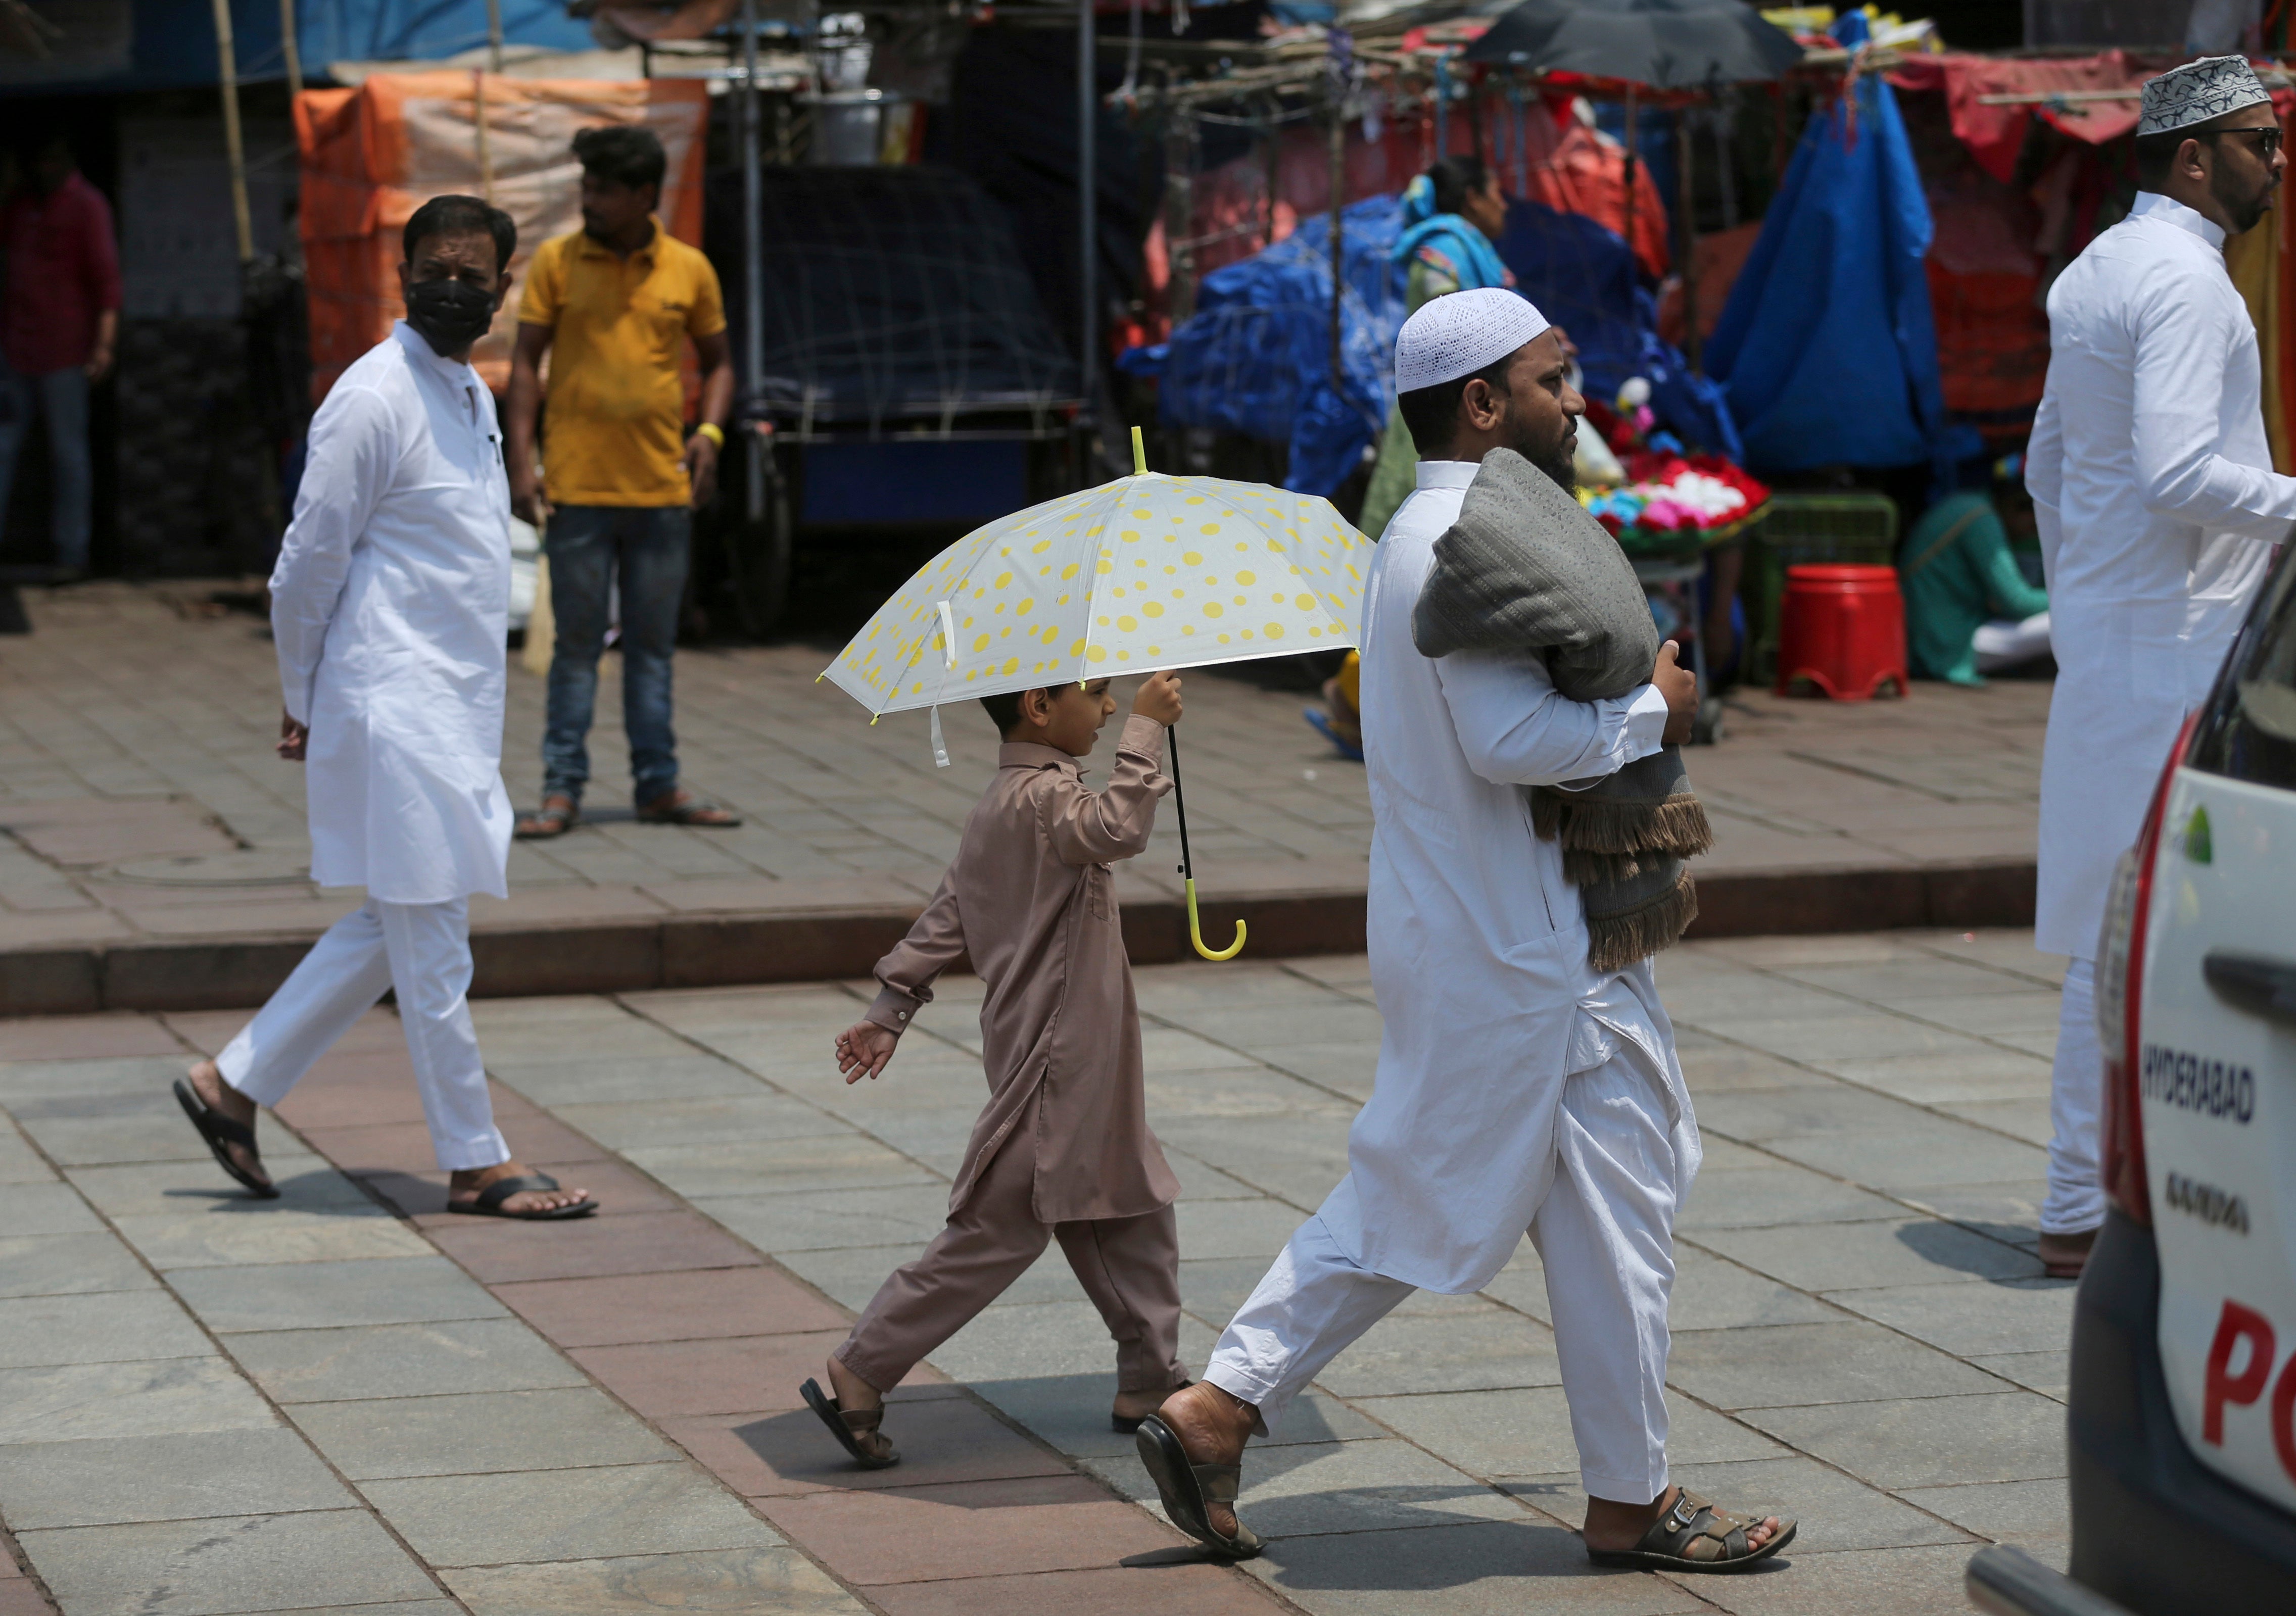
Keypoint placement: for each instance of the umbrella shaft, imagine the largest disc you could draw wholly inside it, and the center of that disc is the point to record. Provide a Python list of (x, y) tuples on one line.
[(1179, 798)]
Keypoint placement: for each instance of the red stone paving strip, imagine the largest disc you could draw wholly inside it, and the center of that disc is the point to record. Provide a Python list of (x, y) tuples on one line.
[(708, 1341), (20, 1593)]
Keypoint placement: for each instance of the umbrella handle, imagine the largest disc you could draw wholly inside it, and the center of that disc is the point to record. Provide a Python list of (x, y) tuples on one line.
[(1196, 931)]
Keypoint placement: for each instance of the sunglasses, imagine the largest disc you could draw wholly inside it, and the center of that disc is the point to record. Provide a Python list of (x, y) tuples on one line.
[(2267, 139)]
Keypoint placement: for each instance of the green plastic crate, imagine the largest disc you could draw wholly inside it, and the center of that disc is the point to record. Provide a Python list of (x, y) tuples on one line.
[(1858, 527)]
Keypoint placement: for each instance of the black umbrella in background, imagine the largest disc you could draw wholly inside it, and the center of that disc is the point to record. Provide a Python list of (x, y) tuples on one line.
[(1660, 45), (1657, 45)]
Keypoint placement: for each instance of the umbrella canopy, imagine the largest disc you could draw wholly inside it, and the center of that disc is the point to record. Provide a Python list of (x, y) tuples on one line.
[(1144, 573), (1667, 45)]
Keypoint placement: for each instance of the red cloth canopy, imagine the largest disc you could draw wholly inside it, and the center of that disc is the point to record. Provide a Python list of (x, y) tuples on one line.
[(1994, 134)]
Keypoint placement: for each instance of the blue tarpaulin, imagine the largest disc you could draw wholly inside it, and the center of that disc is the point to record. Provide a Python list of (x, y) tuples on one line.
[(1826, 349), (171, 44), (1583, 279), (1256, 357)]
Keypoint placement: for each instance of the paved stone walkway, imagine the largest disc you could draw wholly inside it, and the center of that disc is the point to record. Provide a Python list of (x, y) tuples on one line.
[(142, 800), (347, 1400)]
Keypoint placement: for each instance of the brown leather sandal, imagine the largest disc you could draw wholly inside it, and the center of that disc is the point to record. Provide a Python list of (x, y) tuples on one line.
[(682, 807), (1187, 1489), (855, 1428), (555, 817), (1694, 1536)]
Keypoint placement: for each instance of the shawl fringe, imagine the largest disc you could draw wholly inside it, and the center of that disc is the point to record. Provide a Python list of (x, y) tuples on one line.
[(1615, 942)]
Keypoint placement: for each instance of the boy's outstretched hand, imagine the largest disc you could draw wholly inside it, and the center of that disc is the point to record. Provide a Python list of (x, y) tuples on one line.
[(1160, 698), (863, 1049)]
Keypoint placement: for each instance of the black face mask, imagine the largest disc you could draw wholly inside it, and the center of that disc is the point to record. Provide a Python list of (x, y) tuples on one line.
[(450, 315)]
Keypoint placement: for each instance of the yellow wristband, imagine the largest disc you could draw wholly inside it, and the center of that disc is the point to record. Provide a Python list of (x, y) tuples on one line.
[(711, 431)]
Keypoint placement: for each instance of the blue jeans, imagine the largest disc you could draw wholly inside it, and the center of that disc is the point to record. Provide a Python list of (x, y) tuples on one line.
[(587, 545), (61, 395)]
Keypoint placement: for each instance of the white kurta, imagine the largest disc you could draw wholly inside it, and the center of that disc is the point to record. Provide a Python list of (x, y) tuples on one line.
[(390, 604), (1478, 942), (2153, 491)]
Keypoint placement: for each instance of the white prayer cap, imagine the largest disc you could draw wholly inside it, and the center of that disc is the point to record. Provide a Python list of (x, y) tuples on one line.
[(1457, 335), (2198, 92)]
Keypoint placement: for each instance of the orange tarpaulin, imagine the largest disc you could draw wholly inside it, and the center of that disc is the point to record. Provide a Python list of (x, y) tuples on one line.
[(372, 155)]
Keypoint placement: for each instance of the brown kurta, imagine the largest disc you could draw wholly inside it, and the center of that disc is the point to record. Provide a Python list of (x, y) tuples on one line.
[(1029, 897)]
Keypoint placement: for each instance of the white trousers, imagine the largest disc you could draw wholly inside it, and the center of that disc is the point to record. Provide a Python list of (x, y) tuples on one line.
[(2076, 1198), (1605, 1234), (423, 951)]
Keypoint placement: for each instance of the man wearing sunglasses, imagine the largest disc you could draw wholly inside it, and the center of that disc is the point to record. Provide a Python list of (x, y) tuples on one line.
[(2152, 485)]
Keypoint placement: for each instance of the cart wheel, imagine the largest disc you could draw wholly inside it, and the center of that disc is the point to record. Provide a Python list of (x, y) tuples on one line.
[(757, 546), (1707, 728)]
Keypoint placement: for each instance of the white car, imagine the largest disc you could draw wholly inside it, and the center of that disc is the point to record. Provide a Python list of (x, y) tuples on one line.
[(2182, 1408)]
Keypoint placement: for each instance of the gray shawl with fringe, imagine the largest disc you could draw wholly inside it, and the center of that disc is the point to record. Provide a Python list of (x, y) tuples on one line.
[(1525, 567)]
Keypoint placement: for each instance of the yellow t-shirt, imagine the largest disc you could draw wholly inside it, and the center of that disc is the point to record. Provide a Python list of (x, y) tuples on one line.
[(614, 423)]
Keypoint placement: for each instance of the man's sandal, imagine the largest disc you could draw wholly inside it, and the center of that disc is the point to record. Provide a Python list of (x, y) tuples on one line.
[(555, 817), (1694, 1536), (1188, 1489), (856, 1429), (221, 1133), (684, 808), (489, 1202)]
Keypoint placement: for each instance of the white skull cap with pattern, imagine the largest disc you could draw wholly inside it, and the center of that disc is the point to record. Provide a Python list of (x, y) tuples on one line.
[(2198, 92), (1457, 335)]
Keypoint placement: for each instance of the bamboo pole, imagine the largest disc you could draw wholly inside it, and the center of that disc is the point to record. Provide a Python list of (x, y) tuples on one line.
[(478, 123), (494, 36), (1088, 91), (290, 49), (227, 72)]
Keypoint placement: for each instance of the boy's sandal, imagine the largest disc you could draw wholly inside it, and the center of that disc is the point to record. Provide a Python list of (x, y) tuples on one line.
[(855, 1428), (555, 817), (684, 808), (489, 1202), (1694, 1536), (221, 1133), (1187, 1490), (1126, 1425)]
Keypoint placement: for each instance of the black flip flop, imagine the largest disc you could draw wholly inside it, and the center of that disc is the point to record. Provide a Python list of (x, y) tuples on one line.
[(220, 1132), (1187, 1489), (848, 1428), (489, 1202)]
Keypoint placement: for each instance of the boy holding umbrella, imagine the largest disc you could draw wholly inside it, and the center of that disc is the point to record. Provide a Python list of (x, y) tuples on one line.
[(1063, 1148)]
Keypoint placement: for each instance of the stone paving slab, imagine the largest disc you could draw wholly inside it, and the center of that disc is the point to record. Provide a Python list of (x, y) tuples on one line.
[(154, 853), (1870, 1352)]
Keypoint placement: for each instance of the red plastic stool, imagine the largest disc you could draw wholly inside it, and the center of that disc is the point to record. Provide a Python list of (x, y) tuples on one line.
[(1843, 629)]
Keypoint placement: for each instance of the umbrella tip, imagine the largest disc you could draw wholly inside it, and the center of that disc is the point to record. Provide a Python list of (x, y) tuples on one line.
[(1139, 455)]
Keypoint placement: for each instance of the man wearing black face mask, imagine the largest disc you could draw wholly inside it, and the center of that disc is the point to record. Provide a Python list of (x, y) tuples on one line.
[(389, 607)]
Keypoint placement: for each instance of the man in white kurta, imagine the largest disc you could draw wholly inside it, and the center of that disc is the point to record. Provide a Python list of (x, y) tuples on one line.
[(2158, 508), (1518, 1088), (388, 609)]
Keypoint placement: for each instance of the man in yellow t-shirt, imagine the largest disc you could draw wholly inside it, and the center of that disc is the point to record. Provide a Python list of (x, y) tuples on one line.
[(617, 300)]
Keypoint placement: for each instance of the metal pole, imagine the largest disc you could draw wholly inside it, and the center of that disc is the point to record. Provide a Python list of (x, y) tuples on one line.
[(1688, 231), (1632, 152), (494, 35), (291, 50), (1179, 212), (1339, 139), (753, 269), (1087, 204), (228, 71)]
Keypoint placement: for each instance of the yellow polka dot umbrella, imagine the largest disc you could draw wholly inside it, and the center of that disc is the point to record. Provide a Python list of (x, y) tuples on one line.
[(1144, 572)]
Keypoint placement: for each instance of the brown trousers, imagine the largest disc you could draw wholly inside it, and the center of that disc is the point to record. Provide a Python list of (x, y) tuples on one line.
[(1130, 1268)]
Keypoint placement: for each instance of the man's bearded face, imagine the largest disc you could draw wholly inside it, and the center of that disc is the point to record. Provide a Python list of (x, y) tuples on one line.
[(1543, 411)]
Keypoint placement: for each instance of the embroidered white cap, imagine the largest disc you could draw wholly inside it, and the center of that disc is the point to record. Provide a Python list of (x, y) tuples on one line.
[(1457, 335), (2197, 92)]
